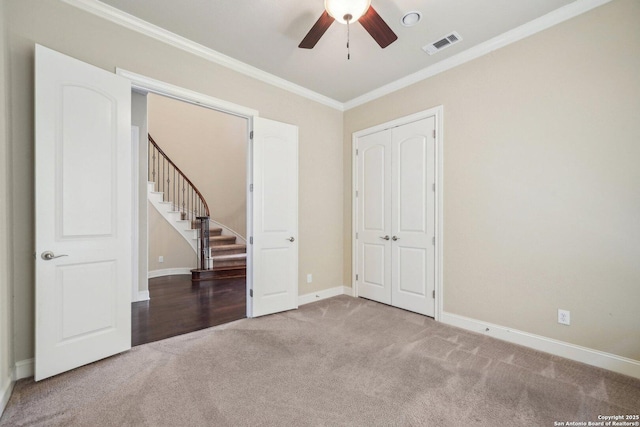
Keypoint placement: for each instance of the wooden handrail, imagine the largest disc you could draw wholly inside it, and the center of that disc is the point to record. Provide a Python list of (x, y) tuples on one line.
[(184, 178)]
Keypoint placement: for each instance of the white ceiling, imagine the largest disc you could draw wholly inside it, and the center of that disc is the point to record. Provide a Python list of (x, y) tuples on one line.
[(265, 34)]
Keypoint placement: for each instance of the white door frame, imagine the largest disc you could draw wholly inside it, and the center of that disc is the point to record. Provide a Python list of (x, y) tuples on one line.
[(439, 228), (135, 197), (144, 85)]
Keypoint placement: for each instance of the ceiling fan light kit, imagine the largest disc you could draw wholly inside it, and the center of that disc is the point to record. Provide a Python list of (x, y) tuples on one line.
[(346, 11)]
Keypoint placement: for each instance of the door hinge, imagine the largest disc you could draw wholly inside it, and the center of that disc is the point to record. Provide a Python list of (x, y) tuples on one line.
[(251, 187), (434, 133), (433, 240), (251, 240), (356, 236), (356, 277), (434, 186), (251, 293), (356, 151), (434, 294), (251, 135), (356, 193)]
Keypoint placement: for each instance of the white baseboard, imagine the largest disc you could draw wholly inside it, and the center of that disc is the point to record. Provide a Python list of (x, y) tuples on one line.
[(142, 296), (169, 272), (6, 387), (24, 369), (578, 353), (323, 294)]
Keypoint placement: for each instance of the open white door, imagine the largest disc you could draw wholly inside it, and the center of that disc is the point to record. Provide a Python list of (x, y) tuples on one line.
[(275, 217), (83, 213)]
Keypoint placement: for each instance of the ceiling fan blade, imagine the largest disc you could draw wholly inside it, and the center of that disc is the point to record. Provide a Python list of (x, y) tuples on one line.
[(316, 31), (379, 30)]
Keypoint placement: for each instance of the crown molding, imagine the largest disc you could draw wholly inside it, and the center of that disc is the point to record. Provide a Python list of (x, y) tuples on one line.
[(126, 20), (558, 16), (131, 22)]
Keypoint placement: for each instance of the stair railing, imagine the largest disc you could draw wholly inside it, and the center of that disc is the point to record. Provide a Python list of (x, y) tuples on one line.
[(177, 188)]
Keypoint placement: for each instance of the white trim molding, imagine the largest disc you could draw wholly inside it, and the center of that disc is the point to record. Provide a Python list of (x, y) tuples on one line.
[(169, 272), (323, 294), (144, 84), (141, 296), (131, 22), (24, 369), (558, 16), (6, 387), (600, 359)]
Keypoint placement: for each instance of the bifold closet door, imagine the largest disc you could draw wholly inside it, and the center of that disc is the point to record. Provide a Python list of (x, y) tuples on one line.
[(396, 216)]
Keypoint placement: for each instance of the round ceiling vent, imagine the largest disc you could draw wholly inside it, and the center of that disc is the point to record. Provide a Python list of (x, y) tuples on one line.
[(411, 18)]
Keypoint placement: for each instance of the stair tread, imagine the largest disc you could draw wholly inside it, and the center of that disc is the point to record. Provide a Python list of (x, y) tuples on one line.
[(215, 234), (232, 256), (231, 267), (222, 237), (231, 246)]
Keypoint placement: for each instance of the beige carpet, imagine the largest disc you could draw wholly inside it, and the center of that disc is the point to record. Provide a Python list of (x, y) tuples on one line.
[(338, 362)]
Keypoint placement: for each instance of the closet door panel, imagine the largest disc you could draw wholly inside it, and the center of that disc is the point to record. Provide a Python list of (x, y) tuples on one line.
[(413, 213), (374, 217)]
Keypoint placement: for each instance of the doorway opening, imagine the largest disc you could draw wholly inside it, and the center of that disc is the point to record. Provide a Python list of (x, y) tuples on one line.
[(271, 198), (195, 167)]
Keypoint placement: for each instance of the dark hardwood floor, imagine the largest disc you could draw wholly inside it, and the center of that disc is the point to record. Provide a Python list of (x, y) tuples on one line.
[(177, 307)]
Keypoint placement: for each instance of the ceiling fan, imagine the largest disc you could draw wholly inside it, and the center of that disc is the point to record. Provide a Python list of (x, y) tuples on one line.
[(347, 12)]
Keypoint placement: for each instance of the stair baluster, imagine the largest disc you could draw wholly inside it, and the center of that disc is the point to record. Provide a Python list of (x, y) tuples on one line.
[(190, 203)]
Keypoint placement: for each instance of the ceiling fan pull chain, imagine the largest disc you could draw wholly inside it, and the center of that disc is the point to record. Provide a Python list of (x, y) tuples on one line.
[(348, 18), (348, 50)]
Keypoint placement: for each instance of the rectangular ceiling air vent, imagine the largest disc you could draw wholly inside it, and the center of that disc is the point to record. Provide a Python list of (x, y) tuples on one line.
[(443, 43)]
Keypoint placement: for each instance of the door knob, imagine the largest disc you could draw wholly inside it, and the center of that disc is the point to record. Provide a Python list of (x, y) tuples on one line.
[(385, 237), (291, 239), (394, 238), (48, 255)]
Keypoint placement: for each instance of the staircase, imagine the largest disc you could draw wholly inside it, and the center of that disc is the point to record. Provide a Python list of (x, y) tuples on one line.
[(179, 205), (229, 257)]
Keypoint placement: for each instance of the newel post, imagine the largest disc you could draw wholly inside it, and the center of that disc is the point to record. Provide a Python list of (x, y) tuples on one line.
[(205, 251)]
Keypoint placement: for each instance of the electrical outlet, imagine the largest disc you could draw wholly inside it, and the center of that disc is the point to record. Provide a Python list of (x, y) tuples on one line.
[(309, 278), (160, 258), (564, 317)]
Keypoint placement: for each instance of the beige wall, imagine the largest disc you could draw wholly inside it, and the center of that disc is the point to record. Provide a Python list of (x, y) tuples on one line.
[(541, 180), (210, 147), (6, 312), (106, 45), (541, 137), (165, 241)]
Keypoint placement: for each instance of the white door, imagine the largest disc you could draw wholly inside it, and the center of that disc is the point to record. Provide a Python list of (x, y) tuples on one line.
[(396, 216), (374, 213), (413, 213), (83, 213), (275, 217)]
